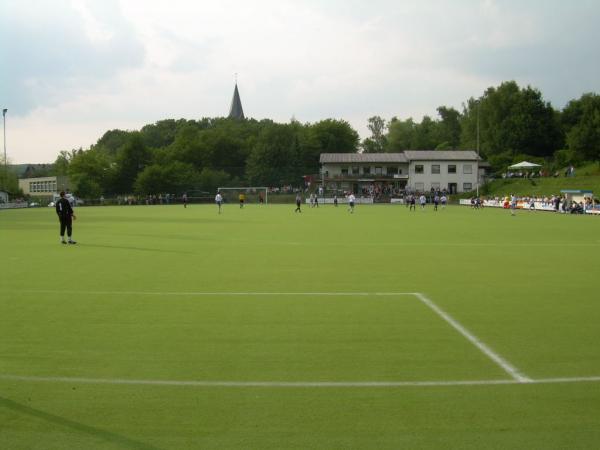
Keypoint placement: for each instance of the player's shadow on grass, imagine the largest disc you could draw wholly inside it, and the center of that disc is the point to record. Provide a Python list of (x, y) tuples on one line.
[(76, 426), (140, 249)]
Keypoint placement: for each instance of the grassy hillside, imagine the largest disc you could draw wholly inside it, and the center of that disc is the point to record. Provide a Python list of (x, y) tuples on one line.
[(586, 177)]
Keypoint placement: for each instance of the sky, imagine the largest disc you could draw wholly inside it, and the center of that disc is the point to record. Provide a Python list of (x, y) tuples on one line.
[(72, 69)]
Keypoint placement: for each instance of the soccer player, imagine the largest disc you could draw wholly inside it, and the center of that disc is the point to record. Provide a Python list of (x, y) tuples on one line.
[(422, 201), (444, 200), (436, 201), (335, 201), (65, 216), (219, 200), (184, 199), (351, 200), (298, 203), (261, 199), (242, 198), (513, 204), (412, 200)]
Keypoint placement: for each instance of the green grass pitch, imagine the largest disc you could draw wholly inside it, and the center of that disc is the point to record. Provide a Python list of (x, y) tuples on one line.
[(172, 328)]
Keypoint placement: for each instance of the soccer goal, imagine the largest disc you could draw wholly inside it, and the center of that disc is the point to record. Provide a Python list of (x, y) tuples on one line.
[(252, 194)]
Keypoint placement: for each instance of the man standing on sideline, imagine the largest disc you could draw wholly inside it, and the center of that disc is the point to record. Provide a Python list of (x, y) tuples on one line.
[(184, 199), (219, 200), (66, 217)]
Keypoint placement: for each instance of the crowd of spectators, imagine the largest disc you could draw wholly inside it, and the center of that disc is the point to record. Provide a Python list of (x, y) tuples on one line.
[(556, 203), (542, 173)]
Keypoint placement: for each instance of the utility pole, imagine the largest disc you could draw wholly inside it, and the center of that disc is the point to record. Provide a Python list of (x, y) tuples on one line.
[(4, 111), (477, 148)]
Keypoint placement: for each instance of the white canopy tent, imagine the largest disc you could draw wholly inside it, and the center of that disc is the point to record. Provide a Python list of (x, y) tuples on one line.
[(524, 165)]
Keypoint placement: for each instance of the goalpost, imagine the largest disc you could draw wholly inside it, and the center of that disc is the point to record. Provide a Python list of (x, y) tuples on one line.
[(252, 193)]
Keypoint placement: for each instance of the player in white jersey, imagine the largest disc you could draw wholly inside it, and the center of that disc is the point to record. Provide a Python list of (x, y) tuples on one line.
[(422, 201), (219, 201), (444, 200), (351, 200)]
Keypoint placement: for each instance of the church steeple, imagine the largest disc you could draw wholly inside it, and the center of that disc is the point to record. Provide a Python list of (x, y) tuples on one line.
[(236, 111)]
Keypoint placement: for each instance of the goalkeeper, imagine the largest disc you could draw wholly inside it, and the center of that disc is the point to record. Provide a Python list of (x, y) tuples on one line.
[(65, 216)]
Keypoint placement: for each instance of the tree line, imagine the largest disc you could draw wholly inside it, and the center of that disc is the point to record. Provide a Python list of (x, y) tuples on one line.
[(513, 124), (173, 156)]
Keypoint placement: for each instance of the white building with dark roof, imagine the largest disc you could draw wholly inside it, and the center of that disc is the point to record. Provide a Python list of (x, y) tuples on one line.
[(415, 170)]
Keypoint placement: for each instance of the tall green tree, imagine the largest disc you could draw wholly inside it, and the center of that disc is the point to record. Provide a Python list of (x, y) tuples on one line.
[(131, 159), (275, 159), (401, 135), (377, 142), (449, 130), (90, 172), (581, 123), (511, 119)]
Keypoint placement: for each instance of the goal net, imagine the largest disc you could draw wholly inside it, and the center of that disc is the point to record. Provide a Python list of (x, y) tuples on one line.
[(252, 194)]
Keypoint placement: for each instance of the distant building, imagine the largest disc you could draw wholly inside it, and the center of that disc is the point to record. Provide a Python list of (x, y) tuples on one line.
[(3, 197), (43, 186), (236, 111), (415, 170)]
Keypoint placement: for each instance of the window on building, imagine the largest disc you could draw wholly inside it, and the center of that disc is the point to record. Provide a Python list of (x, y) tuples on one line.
[(378, 170), (467, 168), (467, 187), (345, 171), (435, 186), (366, 170), (435, 169), (419, 187), (419, 168), (451, 168), (392, 170), (355, 171)]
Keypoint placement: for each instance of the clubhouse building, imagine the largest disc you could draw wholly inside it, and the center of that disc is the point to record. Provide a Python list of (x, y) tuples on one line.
[(452, 171), (44, 186)]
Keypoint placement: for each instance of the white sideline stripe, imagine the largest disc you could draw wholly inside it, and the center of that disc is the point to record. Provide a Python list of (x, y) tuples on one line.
[(294, 384), (223, 294), (503, 363)]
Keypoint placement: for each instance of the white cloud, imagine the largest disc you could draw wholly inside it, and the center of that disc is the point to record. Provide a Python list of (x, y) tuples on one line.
[(102, 65)]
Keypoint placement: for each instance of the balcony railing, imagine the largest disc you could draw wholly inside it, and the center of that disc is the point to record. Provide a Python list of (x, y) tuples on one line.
[(370, 176)]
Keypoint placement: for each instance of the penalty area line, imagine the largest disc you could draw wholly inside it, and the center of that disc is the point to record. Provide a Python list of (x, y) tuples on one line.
[(511, 370), (293, 384)]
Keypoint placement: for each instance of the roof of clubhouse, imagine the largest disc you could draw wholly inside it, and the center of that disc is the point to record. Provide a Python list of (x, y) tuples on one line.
[(402, 157)]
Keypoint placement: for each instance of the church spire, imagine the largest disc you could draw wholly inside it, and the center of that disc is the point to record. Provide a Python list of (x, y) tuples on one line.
[(236, 111)]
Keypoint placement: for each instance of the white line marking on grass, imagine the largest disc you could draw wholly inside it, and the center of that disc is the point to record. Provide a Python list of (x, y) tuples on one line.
[(294, 384), (499, 360), (514, 373), (222, 294)]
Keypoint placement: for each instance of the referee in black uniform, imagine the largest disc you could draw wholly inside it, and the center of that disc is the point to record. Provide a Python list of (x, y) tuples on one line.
[(65, 216)]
